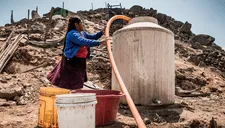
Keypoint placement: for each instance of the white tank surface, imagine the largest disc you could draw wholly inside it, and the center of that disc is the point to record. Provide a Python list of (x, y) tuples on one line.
[(144, 54)]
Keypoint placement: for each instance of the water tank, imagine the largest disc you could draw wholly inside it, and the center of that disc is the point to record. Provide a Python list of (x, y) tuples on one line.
[(144, 55)]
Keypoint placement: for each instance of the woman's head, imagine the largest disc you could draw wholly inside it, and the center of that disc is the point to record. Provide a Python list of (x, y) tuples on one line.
[(75, 23)]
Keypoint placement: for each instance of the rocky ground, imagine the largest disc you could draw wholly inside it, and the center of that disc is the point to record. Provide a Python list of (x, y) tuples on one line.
[(200, 72)]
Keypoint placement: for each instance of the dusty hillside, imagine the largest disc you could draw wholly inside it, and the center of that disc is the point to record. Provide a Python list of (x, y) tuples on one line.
[(200, 71)]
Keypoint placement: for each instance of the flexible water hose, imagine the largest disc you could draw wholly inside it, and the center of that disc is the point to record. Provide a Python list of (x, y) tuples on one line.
[(129, 100)]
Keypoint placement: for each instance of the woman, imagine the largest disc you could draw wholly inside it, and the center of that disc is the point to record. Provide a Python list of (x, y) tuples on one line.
[(72, 73)]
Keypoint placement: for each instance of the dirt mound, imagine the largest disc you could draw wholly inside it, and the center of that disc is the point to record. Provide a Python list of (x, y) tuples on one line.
[(200, 73)]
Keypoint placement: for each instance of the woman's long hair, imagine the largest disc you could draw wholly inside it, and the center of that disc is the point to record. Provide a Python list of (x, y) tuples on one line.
[(71, 26)]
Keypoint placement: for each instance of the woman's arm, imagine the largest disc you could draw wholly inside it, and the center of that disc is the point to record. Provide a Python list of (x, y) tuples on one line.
[(79, 40), (95, 36)]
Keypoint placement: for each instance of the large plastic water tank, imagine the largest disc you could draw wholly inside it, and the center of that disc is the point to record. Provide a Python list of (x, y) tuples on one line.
[(144, 55)]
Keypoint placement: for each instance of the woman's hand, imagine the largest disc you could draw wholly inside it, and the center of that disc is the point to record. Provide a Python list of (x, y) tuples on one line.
[(103, 41), (103, 30)]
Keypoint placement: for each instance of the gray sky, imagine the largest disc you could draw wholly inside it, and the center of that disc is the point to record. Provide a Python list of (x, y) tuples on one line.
[(206, 16)]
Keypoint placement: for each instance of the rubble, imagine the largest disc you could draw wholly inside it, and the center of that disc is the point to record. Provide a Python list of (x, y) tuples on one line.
[(35, 15), (200, 63), (203, 39), (186, 28)]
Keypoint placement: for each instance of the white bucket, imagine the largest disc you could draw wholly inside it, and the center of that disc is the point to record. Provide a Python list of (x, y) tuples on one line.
[(76, 110)]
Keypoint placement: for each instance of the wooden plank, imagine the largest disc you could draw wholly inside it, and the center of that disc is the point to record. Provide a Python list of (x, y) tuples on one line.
[(7, 41), (10, 52), (7, 51), (2, 53), (41, 65)]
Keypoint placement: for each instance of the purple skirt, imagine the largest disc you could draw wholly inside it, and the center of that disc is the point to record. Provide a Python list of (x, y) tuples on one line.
[(72, 73)]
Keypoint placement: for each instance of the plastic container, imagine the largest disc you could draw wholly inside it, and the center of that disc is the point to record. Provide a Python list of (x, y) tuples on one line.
[(76, 110), (107, 106), (144, 55), (47, 115)]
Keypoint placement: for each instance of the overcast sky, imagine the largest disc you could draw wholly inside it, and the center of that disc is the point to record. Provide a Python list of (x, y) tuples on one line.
[(206, 16)]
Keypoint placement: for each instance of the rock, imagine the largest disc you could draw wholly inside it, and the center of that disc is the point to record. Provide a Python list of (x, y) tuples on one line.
[(197, 124), (203, 39), (44, 80), (201, 64), (161, 18), (9, 92), (197, 45), (3, 80), (60, 24), (220, 90), (181, 119), (136, 9), (187, 85), (38, 27), (215, 46), (222, 74), (98, 15), (21, 101), (3, 102), (125, 112), (124, 106), (178, 24), (186, 28), (35, 36), (23, 42), (11, 103), (89, 23), (8, 77), (2, 39), (195, 59), (213, 89), (147, 121), (152, 12), (57, 17)]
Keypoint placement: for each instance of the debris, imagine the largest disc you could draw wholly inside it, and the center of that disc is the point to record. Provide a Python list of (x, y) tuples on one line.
[(194, 95), (35, 15), (147, 121), (8, 52), (158, 120), (10, 91), (125, 112), (3, 80), (3, 47), (91, 85), (20, 84), (191, 93), (203, 39), (198, 124), (183, 104), (42, 65), (186, 27), (4, 102)]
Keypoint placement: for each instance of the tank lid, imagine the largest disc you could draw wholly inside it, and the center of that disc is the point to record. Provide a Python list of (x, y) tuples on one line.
[(143, 19), (75, 98), (143, 23)]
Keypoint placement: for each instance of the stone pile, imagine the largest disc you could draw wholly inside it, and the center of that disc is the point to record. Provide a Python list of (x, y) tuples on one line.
[(16, 88)]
